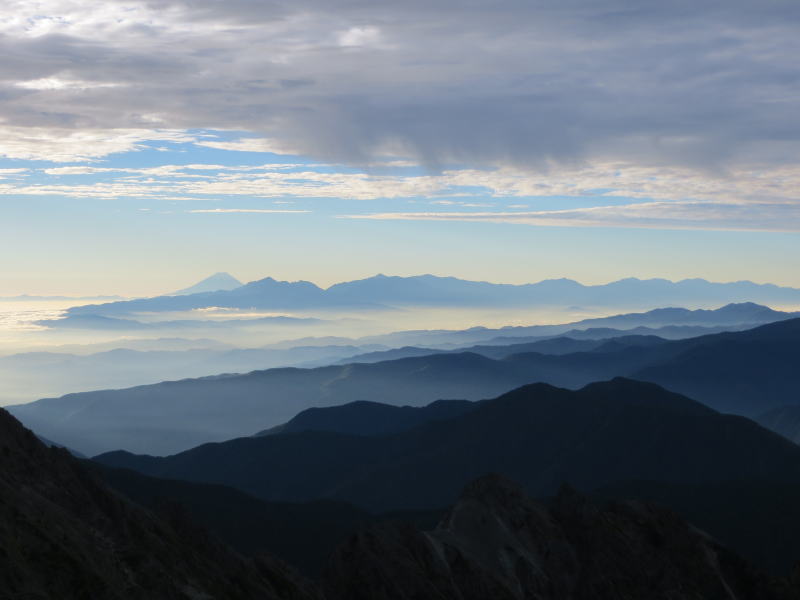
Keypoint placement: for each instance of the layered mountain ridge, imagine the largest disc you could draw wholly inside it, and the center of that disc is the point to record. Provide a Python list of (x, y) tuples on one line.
[(538, 435), (746, 372)]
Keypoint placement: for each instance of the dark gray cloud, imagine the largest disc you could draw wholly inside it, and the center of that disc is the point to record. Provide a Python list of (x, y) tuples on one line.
[(707, 84)]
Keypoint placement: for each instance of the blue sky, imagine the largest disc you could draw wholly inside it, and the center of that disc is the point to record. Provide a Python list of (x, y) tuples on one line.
[(144, 145)]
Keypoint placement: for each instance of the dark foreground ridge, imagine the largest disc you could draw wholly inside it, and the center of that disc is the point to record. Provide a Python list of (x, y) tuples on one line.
[(64, 535), (497, 543)]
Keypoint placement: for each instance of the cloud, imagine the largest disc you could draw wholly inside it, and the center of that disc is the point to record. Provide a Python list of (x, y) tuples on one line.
[(710, 85), (650, 215), (360, 36), (600, 185), (246, 210), (250, 145), (62, 144), (55, 83)]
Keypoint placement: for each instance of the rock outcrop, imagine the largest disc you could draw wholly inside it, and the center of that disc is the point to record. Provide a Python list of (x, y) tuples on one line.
[(497, 543)]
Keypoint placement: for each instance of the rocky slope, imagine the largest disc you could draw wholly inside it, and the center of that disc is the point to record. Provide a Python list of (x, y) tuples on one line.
[(497, 543), (65, 535)]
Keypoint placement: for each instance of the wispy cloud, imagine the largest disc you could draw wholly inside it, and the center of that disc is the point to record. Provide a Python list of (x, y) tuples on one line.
[(250, 145), (463, 187), (246, 210), (71, 144), (651, 215)]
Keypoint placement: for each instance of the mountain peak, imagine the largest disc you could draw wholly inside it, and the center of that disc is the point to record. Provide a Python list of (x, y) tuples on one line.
[(745, 307), (217, 282)]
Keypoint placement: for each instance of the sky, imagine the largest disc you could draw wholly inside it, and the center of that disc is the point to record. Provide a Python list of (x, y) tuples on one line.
[(147, 144)]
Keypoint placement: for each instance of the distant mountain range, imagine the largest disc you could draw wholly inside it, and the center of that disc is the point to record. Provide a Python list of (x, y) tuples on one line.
[(672, 323), (746, 372), (428, 290)]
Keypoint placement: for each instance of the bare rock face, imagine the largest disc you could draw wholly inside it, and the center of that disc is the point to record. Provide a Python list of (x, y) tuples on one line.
[(65, 535), (497, 543)]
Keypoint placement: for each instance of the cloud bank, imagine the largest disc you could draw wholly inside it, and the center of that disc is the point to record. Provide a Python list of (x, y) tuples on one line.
[(525, 83)]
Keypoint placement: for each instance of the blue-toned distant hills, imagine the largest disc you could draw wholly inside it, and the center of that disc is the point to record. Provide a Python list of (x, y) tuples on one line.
[(132, 362), (381, 291), (745, 372)]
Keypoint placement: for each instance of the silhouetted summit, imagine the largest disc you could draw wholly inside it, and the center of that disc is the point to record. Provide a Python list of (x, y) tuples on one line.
[(371, 418), (538, 435)]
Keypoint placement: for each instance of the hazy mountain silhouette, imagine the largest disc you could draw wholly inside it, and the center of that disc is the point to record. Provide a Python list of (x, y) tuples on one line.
[(64, 534), (21, 374), (429, 290), (497, 543), (745, 372), (155, 418), (215, 283), (265, 294), (557, 346), (671, 323), (667, 332), (371, 418), (539, 435)]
